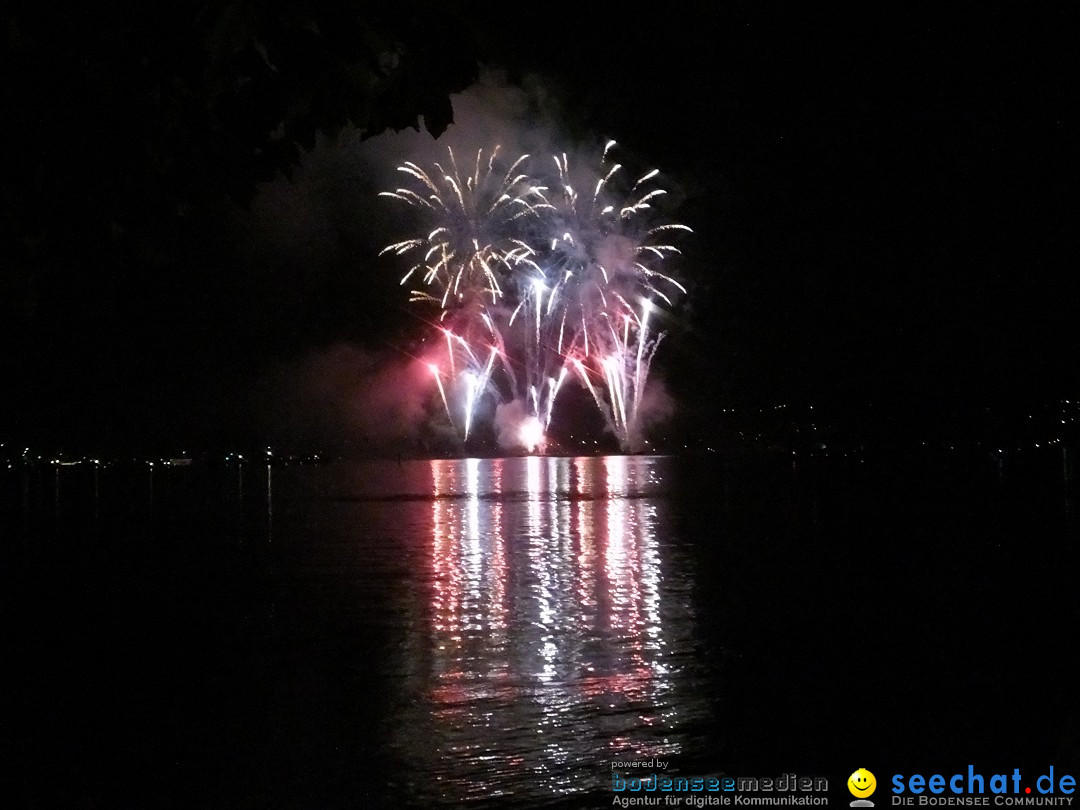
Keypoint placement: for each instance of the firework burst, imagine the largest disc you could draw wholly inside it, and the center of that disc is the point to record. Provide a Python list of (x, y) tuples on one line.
[(469, 249), (536, 281)]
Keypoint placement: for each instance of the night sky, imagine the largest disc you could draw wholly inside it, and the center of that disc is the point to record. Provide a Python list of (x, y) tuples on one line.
[(882, 200)]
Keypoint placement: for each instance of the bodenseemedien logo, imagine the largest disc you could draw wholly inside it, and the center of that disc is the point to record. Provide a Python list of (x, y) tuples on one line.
[(862, 785), (644, 786)]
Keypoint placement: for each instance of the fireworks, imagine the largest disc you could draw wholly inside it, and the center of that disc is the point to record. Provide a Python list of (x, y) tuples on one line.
[(535, 281)]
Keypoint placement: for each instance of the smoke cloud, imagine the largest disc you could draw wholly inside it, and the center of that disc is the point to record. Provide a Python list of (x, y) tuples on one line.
[(328, 213), (509, 417), (346, 396)]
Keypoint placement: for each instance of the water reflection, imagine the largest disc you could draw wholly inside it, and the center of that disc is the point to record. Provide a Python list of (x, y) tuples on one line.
[(545, 627), (269, 502)]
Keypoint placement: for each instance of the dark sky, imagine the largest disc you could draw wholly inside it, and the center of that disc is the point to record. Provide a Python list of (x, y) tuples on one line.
[(883, 206), (884, 196)]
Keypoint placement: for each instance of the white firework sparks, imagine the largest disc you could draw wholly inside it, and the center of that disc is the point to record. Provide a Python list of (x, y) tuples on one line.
[(524, 270)]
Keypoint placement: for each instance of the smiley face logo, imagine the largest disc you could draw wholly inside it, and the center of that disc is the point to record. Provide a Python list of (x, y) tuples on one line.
[(861, 783)]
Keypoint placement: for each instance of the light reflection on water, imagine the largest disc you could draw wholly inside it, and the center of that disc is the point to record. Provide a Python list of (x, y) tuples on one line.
[(548, 628), (424, 632), (367, 634)]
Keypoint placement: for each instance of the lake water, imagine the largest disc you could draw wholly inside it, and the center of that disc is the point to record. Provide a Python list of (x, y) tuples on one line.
[(502, 630)]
